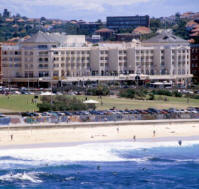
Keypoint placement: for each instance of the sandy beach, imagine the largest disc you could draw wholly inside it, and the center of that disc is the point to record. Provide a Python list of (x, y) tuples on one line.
[(102, 132)]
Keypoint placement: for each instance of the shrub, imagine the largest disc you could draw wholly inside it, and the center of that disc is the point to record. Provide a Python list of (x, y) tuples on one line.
[(162, 92), (100, 90), (62, 103), (127, 93), (177, 94), (195, 96), (132, 93), (151, 96), (43, 107)]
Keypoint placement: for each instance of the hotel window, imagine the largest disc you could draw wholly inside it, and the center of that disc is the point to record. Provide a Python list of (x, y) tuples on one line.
[(56, 58), (43, 74), (42, 46), (55, 73), (56, 52)]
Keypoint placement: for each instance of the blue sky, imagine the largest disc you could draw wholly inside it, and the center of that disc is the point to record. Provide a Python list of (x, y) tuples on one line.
[(91, 10)]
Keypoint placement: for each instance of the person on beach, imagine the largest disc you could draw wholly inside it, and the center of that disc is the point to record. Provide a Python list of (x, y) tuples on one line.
[(118, 130), (154, 133), (180, 142), (134, 138), (11, 137)]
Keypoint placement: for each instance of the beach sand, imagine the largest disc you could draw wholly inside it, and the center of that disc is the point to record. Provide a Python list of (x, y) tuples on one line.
[(111, 132)]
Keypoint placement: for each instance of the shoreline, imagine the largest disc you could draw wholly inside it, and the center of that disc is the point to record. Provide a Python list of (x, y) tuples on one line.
[(69, 144), (80, 133)]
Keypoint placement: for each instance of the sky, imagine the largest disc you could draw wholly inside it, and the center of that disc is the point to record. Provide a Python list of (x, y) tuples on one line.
[(92, 10)]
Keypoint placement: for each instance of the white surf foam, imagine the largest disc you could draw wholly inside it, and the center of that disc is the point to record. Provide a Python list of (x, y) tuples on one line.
[(31, 176), (83, 152)]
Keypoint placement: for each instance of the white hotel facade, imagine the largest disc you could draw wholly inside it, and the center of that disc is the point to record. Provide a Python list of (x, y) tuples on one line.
[(53, 57)]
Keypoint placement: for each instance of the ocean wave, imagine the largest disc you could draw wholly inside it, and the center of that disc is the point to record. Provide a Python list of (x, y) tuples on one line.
[(31, 177), (159, 159), (98, 152)]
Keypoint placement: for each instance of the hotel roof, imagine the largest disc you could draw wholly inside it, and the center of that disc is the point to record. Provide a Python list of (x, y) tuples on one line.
[(165, 37), (41, 37)]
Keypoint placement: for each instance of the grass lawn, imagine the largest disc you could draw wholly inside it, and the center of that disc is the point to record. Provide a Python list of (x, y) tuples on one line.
[(18, 103), (122, 103)]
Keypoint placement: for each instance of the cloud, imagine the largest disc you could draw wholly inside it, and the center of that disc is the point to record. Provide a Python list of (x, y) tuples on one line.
[(96, 5)]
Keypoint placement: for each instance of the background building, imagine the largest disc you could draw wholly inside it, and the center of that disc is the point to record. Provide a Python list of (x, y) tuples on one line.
[(0, 64), (124, 22), (105, 33), (195, 61)]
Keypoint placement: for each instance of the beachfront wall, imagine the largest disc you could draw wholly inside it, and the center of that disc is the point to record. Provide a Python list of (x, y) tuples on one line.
[(17, 120), (113, 117)]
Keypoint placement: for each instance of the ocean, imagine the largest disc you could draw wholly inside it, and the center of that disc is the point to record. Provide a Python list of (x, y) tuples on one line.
[(114, 165)]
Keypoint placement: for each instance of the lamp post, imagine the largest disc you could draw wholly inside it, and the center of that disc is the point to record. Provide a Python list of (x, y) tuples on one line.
[(28, 77), (51, 86)]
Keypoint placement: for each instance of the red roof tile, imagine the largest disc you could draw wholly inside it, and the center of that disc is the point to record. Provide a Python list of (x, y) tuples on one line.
[(142, 30)]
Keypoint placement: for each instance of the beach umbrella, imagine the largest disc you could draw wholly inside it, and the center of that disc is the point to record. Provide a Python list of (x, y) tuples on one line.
[(46, 94), (91, 102)]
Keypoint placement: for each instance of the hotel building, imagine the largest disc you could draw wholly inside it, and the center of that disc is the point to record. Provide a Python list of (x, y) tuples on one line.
[(53, 57)]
